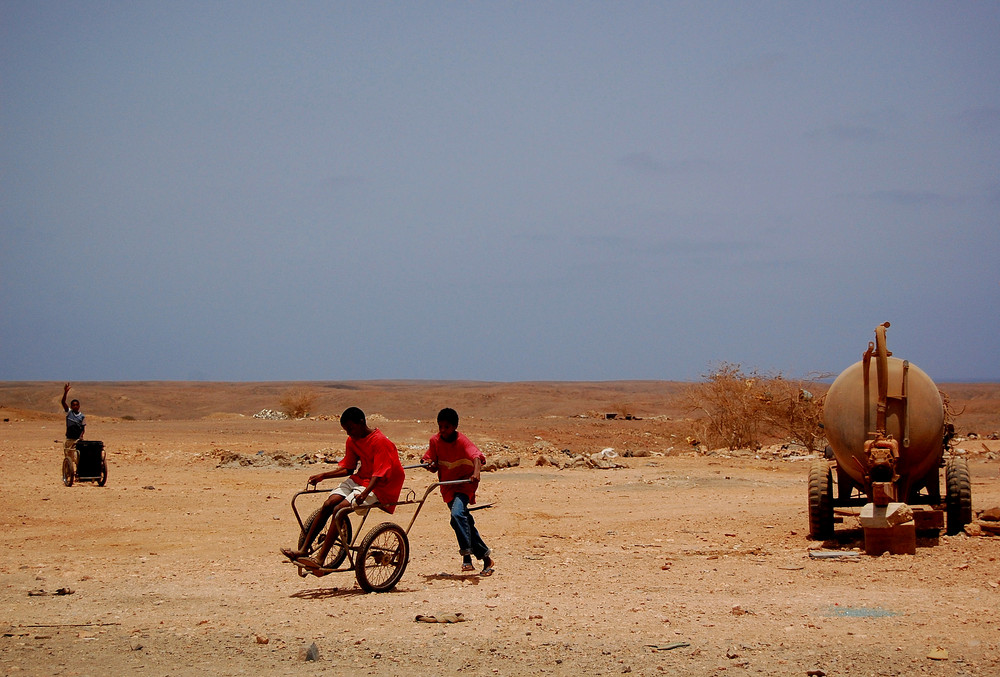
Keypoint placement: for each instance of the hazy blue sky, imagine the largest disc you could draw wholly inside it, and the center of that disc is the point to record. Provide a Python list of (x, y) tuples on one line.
[(496, 191)]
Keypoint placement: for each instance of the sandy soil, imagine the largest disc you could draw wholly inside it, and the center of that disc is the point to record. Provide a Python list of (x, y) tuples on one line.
[(676, 563)]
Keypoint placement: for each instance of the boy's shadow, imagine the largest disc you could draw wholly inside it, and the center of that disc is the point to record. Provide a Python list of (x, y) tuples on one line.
[(472, 578)]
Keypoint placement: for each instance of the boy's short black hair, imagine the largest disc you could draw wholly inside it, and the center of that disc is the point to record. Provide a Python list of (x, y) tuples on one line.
[(448, 415), (354, 415)]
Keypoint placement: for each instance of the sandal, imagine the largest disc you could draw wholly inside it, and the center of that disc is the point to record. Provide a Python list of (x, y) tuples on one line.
[(467, 566), (487, 567), (290, 554), (308, 563)]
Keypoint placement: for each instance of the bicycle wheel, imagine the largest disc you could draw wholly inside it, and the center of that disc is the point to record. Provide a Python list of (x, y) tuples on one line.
[(382, 558), (338, 551)]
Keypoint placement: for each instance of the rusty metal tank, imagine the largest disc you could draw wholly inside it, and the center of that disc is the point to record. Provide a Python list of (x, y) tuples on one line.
[(913, 417), (886, 426)]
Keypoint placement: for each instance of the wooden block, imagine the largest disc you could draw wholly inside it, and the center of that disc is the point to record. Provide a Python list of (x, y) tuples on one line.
[(928, 519), (897, 540)]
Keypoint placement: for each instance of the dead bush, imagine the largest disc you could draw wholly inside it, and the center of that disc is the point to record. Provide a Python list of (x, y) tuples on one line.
[(743, 409), (297, 403)]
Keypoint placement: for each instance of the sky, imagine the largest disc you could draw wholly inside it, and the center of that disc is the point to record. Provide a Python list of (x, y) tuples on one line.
[(497, 191)]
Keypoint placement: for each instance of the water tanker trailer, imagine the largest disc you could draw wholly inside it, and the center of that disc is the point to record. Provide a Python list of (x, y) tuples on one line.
[(885, 423)]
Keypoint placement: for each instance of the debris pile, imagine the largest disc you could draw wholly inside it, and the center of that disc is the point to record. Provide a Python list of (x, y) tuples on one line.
[(271, 415), (602, 460)]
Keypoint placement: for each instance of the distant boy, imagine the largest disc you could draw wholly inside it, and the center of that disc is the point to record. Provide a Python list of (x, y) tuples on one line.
[(377, 482), (75, 425), (455, 457)]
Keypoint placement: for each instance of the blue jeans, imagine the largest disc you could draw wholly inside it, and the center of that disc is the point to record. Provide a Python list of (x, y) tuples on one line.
[(469, 540)]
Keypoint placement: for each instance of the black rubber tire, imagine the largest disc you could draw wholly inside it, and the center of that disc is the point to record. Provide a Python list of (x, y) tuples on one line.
[(820, 501), (382, 558), (958, 496), (104, 473), (68, 472), (337, 551)]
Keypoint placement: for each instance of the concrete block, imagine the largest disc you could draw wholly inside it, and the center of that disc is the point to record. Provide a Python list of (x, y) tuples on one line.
[(884, 516)]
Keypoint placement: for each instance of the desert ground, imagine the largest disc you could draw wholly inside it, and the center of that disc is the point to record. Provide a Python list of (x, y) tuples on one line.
[(682, 560)]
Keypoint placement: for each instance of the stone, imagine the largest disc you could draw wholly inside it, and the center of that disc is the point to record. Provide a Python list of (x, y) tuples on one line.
[(310, 653), (990, 515)]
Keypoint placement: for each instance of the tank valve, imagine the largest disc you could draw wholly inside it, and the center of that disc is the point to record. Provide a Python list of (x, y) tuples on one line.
[(882, 454)]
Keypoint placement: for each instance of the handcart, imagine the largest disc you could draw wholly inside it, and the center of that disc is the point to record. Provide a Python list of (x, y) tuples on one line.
[(91, 464), (380, 558)]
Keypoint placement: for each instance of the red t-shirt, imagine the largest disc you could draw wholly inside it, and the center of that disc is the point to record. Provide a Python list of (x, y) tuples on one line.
[(379, 458), (455, 462)]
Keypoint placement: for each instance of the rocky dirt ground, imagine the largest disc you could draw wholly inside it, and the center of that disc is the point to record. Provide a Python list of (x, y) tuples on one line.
[(677, 562)]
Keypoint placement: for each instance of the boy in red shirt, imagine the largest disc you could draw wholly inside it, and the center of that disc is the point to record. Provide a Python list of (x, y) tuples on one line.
[(377, 481), (455, 457)]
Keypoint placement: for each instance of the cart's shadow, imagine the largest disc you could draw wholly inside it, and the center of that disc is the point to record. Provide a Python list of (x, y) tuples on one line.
[(327, 593)]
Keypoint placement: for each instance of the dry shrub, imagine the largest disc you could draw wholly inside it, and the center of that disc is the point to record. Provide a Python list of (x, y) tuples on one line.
[(623, 409), (742, 409), (297, 403)]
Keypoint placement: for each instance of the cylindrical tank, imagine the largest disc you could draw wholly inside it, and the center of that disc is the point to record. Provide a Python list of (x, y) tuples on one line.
[(914, 416)]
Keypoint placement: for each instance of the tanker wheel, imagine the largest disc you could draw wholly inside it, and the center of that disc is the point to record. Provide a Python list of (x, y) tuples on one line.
[(338, 552), (958, 499), (68, 472), (382, 558), (820, 501)]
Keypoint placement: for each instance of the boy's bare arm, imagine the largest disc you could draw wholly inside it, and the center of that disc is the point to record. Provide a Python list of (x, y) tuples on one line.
[(360, 498), (336, 472)]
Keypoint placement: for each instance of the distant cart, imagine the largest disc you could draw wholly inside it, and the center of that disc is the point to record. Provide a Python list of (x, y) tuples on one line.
[(91, 466), (379, 560)]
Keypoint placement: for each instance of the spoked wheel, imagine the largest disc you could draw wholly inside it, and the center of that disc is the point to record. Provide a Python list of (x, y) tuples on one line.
[(104, 473), (958, 499), (67, 472), (337, 551), (820, 501), (382, 558)]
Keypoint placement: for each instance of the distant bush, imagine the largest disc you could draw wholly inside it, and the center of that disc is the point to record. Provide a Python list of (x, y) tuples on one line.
[(297, 403), (742, 409)]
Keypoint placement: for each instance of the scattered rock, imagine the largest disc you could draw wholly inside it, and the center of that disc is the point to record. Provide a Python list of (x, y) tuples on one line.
[(457, 617), (938, 654), (990, 514), (505, 462), (310, 653)]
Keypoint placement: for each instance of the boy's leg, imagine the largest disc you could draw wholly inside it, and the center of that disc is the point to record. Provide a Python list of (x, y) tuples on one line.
[(340, 513), (479, 547), (70, 452), (460, 523), (328, 507)]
